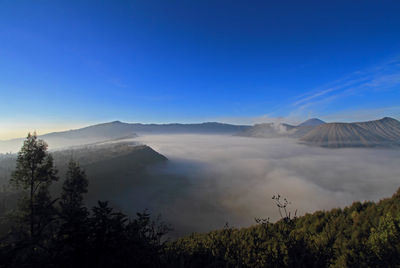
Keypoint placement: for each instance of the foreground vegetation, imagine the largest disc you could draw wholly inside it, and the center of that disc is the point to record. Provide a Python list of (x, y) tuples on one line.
[(44, 231), (362, 235)]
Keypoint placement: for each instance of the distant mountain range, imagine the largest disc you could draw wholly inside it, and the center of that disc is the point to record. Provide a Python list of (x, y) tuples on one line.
[(119, 130), (384, 132), (378, 133)]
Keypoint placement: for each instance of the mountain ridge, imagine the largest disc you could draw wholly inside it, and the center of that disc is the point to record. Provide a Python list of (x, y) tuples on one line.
[(383, 132), (117, 130), (276, 130)]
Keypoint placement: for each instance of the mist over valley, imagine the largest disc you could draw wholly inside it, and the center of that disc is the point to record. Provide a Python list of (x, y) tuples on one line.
[(200, 177), (232, 179)]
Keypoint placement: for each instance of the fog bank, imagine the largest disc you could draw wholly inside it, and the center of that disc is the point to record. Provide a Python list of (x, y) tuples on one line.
[(232, 179)]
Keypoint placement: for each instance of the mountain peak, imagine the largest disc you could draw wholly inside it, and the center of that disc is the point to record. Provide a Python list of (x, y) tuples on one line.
[(312, 122), (387, 119), (116, 122)]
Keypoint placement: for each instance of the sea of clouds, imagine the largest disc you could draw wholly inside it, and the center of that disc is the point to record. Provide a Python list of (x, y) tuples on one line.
[(232, 179)]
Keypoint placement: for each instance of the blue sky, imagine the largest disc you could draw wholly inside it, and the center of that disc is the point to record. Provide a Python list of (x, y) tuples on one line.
[(65, 64)]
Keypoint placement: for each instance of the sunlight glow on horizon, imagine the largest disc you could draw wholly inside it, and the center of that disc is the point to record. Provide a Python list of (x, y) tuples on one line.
[(13, 130)]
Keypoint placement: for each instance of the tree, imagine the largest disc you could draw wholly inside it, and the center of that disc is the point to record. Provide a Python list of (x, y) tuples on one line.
[(117, 241), (73, 229), (33, 175), (384, 241), (75, 185)]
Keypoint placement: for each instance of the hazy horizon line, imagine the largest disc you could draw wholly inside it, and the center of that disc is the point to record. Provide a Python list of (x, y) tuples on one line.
[(22, 133)]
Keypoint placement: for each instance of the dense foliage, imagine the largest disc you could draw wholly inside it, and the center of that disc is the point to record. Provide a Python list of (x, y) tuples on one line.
[(62, 232), (362, 235)]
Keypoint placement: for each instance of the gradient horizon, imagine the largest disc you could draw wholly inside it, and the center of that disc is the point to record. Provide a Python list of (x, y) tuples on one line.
[(66, 65)]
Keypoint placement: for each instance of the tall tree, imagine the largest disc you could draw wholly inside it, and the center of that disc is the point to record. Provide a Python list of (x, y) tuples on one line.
[(75, 185), (33, 175), (73, 232)]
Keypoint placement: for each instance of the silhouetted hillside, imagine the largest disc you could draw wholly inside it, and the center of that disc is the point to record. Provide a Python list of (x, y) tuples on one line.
[(112, 168)]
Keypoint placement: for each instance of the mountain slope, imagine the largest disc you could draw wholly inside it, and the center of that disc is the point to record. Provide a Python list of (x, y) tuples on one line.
[(112, 169), (384, 132)]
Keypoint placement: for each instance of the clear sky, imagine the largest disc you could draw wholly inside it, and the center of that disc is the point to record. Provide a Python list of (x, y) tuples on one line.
[(66, 64)]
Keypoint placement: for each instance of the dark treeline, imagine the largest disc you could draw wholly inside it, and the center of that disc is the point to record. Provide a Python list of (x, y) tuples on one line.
[(44, 231), (61, 232)]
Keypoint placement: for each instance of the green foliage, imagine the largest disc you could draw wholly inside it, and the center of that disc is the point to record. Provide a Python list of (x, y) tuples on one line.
[(384, 240), (34, 166), (33, 175), (362, 235), (35, 214)]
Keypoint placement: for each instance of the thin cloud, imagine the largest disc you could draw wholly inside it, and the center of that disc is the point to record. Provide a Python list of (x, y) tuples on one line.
[(384, 82), (385, 76), (251, 120), (353, 115)]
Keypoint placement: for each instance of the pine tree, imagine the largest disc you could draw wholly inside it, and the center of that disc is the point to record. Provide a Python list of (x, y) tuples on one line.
[(73, 231), (33, 175), (35, 215), (74, 187)]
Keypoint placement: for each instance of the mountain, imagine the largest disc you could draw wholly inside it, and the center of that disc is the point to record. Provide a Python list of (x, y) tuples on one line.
[(274, 130), (112, 168), (104, 131), (115, 170), (118, 130), (313, 122), (202, 128), (378, 133)]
